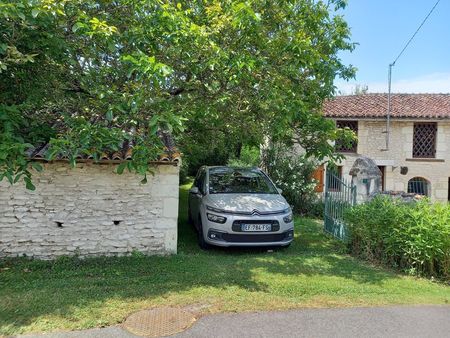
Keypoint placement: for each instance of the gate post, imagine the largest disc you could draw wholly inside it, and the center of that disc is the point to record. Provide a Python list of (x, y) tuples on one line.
[(366, 178)]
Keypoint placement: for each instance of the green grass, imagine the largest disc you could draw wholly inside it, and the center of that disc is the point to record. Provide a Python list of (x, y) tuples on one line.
[(69, 294)]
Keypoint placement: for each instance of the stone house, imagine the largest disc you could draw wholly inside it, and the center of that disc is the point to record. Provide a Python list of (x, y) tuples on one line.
[(417, 156), (91, 210)]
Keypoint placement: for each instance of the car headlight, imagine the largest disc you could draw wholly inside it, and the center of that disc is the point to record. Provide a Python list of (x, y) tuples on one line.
[(214, 209), (288, 218), (216, 218)]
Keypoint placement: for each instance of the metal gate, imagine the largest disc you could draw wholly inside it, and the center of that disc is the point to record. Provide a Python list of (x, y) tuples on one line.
[(339, 196)]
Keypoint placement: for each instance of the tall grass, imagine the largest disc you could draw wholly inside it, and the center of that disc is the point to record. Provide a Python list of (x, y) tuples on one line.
[(414, 237)]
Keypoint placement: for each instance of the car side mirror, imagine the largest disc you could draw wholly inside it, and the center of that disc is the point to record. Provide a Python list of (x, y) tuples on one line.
[(194, 190), (280, 191)]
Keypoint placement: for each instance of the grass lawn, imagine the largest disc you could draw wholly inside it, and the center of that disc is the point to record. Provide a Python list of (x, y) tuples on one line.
[(314, 272)]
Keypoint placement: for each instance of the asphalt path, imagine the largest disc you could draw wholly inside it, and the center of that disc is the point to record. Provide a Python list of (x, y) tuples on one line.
[(396, 321)]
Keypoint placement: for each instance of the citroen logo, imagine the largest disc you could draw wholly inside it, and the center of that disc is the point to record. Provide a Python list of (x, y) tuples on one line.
[(255, 212)]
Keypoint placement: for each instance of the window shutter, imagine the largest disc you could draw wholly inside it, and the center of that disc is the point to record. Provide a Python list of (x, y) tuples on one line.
[(318, 176)]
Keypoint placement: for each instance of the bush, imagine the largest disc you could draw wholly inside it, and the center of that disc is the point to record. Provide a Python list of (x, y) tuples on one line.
[(414, 237), (184, 173), (249, 157), (293, 174), (316, 208)]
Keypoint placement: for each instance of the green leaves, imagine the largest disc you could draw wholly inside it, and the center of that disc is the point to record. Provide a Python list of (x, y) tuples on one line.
[(101, 27), (121, 167), (35, 12), (77, 26), (413, 236), (36, 166), (293, 175), (88, 75), (146, 67), (88, 139), (28, 184), (109, 115), (14, 164)]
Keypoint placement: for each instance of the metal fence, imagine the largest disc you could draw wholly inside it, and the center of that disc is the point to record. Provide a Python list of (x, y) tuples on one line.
[(339, 196)]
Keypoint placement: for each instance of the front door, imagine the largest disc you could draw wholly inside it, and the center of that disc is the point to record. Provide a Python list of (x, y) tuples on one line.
[(383, 174)]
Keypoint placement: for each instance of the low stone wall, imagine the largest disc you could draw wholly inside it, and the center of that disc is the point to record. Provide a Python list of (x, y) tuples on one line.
[(89, 210)]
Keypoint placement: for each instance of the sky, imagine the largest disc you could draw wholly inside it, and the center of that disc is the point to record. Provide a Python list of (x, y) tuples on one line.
[(382, 28)]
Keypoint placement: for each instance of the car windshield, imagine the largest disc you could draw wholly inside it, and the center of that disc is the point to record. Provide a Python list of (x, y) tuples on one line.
[(237, 181)]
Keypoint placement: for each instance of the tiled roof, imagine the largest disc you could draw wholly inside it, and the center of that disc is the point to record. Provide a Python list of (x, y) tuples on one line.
[(416, 106), (170, 154)]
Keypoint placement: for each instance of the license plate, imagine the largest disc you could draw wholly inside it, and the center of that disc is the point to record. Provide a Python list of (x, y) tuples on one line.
[(256, 227)]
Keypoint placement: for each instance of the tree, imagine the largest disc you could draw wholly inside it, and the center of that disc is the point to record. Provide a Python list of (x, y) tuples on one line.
[(360, 89), (87, 75)]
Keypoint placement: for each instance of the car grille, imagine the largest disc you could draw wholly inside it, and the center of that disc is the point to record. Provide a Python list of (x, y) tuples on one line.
[(237, 225), (250, 213), (246, 238)]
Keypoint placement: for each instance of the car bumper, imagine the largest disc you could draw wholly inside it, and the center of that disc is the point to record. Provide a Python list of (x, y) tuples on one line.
[(229, 234), (225, 239)]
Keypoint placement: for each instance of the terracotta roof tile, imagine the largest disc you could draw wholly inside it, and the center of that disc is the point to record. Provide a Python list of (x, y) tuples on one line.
[(170, 153), (419, 106)]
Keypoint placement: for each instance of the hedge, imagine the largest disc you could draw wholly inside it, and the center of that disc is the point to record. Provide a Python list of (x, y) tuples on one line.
[(414, 237)]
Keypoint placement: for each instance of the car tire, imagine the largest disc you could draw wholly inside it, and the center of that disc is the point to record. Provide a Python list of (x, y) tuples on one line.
[(200, 238)]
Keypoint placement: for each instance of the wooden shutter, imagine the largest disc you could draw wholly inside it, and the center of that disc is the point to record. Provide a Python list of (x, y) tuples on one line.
[(318, 176)]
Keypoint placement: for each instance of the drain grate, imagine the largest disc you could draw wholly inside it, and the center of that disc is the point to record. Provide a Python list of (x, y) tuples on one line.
[(159, 322)]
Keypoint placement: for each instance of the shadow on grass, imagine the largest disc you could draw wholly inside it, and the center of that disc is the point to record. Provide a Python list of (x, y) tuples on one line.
[(31, 289)]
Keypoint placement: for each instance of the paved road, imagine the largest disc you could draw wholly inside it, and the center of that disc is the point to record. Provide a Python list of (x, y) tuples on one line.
[(415, 321)]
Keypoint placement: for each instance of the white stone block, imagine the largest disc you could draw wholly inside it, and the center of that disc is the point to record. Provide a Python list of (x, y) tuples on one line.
[(170, 207), (440, 194), (170, 241), (87, 200)]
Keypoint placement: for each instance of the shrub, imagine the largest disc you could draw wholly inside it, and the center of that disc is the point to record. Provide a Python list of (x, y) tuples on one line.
[(293, 174), (316, 208), (184, 173), (249, 157), (414, 237)]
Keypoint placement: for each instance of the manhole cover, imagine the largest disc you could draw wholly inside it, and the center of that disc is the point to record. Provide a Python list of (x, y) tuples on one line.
[(159, 322)]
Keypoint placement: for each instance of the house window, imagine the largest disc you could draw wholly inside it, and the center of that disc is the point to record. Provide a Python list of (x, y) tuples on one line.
[(419, 186), (351, 147), (424, 142)]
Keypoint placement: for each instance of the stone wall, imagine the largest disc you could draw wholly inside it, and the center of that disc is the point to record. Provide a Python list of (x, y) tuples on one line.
[(90, 210), (371, 143)]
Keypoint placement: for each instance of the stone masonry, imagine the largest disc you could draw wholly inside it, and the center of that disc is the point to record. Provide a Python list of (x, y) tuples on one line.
[(366, 177), (371, 143), (88, 211)]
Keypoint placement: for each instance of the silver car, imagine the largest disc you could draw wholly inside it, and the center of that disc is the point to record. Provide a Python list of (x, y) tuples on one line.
[(239, 207)]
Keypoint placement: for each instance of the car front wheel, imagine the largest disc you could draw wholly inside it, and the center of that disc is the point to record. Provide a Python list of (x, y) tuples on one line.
[(200, 238)]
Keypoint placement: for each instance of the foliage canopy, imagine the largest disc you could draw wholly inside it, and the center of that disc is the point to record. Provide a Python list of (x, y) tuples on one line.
[(87, 75)]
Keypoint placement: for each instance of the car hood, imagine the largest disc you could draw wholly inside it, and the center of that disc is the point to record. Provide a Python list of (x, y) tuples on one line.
[(247, 202)]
